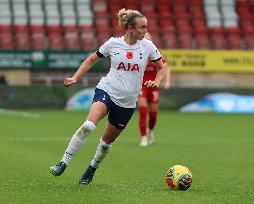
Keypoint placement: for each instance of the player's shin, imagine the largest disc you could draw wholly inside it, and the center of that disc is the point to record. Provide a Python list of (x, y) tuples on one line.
[(77, 140), (142, 120), (101, 152), (152, 122), (152, 119)]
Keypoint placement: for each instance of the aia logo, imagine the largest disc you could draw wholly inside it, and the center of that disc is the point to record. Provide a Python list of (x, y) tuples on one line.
[(129, 55), (128, 67)]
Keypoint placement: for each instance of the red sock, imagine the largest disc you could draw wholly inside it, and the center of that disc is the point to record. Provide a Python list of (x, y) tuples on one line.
[(142, 120), (152, 119)]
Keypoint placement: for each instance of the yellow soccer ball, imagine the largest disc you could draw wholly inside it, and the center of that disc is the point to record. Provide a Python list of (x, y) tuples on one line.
[(179, 177)]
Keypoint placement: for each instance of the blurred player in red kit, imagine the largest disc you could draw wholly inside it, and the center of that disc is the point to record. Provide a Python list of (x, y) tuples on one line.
[(148, 101)]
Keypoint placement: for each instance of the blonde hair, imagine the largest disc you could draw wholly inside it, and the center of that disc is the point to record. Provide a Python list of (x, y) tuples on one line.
[(127, 17)]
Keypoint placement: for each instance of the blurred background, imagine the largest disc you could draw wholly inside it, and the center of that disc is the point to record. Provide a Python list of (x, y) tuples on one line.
[(209, 46)]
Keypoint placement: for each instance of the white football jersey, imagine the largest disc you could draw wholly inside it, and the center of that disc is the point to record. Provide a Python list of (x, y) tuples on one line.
[(123, 83)]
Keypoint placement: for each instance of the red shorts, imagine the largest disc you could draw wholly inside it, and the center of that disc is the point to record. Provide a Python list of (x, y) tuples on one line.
[(152, 95)]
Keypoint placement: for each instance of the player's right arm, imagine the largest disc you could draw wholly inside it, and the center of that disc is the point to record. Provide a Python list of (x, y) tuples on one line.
[(84, 67)]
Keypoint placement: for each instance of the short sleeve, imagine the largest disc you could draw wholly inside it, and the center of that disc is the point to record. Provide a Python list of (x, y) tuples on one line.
[(105, 48), (154, 54)]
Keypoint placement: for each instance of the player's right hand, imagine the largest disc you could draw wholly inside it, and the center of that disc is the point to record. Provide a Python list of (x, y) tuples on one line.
[(69, 81), (166, 86)]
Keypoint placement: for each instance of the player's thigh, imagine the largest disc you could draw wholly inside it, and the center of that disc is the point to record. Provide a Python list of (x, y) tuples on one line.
[(142, 102), (154, 96), (97, 111), (118, 119), (119, 116), (153, 100)]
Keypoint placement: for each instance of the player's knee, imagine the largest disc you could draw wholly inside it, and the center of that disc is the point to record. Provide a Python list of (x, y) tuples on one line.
[(89, 126), (86, 129)]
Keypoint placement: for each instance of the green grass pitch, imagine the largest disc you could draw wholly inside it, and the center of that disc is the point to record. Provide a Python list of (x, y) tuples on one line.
[(218, 149)]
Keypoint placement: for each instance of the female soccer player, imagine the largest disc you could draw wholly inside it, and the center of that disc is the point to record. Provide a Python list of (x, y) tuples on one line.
[(117, 93), (148, 101)]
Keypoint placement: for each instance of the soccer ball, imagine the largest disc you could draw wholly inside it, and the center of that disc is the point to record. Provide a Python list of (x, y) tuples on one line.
[(179, 178)]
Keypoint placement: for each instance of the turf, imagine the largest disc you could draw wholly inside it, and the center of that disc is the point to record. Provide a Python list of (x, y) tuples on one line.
[(218, 149)]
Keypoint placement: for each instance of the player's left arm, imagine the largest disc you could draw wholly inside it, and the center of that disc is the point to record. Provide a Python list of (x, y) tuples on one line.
[(160, 75), (166, 80)]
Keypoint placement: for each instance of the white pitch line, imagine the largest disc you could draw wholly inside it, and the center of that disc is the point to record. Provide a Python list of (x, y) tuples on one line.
[(38, 139), (19, 113)]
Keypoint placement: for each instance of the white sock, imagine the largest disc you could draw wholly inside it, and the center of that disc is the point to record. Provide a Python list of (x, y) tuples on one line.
[(77, 140), (101, 152)]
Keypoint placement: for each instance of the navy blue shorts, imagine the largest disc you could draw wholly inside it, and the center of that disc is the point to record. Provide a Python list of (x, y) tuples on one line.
[(117, 116)]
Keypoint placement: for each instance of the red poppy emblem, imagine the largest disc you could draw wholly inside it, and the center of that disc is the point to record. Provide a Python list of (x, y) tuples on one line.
[(129, 55)]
